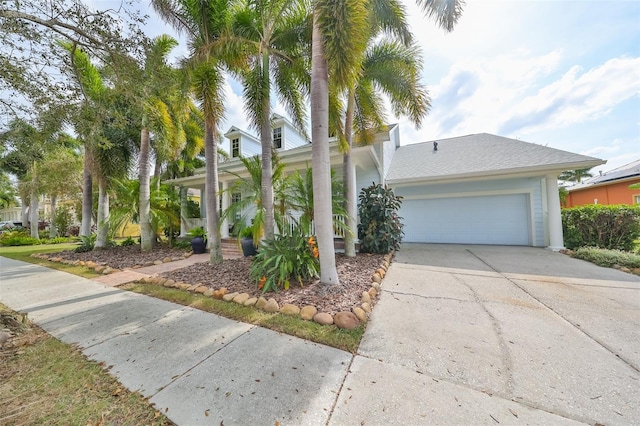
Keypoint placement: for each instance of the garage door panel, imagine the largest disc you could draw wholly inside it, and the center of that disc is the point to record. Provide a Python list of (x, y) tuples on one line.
[(495, 219)]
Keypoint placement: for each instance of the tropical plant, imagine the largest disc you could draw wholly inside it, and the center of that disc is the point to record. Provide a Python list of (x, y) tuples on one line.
[(8, 193), (87, 243), (575, 175), (251, 202), (198, 232), (62, 220), (287, 257), (300, 199), (268, 33), (615, 227), (128, 242), (380, 229), (202, 22)]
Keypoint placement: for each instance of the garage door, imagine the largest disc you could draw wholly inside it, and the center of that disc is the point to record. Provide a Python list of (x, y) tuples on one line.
[(495, 219)]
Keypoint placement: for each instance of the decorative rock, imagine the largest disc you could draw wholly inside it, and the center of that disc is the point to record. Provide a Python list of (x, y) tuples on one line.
[(241, 298), (323, 318), (271, 306), (372, 293), (636, 271), (157, 262), (380, 272), (219, 294), (168, 283), (108, 270), (365, 297), (90, 264), (625, 269), (366, 307), (201, 289), (166, 260), (251, 301), (208, 292), (360, 314), (229, 296), (193, 287), (289, 309), (346, 320), (100, 269), (376, 278), (184, 286), (187, 254), (4, 336), (308, 312), (149, 263), (377, 286), (261, 303)]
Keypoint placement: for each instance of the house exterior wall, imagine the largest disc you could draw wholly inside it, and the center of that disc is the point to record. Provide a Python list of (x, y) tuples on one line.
[(613, 193), (531, 187), (290, 136)]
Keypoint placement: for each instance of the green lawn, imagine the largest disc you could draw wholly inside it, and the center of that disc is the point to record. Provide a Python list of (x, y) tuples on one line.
[(24, 253)]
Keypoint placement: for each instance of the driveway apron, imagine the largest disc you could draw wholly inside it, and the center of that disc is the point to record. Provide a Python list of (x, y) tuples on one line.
[(488, 335)]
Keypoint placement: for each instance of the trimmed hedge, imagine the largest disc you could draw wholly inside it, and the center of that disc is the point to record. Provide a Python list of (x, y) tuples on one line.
[(608, 258), (610, 227)]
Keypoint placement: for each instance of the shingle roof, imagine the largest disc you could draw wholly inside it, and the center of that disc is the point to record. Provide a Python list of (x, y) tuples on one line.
[(478, 155)]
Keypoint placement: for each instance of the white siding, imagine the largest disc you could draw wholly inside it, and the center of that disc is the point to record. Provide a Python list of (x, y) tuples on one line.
[(249, 147), (291, 138)]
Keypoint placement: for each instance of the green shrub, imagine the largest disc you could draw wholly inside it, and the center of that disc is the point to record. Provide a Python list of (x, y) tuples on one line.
[(608, 258), (610, 227), (128, 242), (380, 229), (19, 237), (63, 220), (87, 243), (286, 257)]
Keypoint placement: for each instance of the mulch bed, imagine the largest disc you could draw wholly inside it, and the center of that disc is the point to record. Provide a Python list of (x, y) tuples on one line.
[(354, 275)]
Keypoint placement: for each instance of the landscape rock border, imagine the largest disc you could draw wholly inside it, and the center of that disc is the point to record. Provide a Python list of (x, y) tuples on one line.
[(345, 319)]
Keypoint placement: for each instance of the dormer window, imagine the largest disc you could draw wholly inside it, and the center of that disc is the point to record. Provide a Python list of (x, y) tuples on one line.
[(277, 137), (235, 147)]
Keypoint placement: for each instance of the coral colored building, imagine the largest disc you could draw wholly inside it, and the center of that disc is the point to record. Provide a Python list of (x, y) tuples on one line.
[(611, 187)]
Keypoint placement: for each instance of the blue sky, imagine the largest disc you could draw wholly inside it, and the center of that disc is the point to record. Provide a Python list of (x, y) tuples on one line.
[(565, 74)]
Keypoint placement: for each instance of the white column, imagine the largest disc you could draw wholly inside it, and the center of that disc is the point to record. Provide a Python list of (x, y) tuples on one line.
[(556, 240), (224, 227)]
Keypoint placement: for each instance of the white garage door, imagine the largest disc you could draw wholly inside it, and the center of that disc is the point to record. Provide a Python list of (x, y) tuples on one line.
[(495, 219)]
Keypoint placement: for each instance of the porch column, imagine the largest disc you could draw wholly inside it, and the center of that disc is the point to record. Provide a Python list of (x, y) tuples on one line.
[(556, 239), (184, 193), (224, 227)]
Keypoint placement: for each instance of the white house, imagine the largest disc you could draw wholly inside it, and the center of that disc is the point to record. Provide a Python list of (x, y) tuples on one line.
[(474, 189)]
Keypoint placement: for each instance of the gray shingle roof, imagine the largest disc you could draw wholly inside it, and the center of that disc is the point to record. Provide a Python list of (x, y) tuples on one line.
[(478, 155)]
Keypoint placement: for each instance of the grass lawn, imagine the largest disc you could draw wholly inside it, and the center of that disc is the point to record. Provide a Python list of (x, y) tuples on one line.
[(24, 253), (44, 381)]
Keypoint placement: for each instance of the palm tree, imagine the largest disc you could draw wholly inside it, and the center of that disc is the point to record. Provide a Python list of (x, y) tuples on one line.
[(268, 32), (575, 175), (158, 87), (339, 36), (202, 21)]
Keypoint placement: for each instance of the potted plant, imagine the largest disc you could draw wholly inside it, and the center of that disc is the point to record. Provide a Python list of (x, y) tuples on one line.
[(246, 241), (198, 240)]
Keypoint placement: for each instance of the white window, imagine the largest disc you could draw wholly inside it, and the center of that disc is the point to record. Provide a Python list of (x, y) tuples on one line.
[(277, 137), (636, 199), (235, 147)]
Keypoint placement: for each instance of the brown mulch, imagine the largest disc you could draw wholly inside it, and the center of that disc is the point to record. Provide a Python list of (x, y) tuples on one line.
[(354, 275)]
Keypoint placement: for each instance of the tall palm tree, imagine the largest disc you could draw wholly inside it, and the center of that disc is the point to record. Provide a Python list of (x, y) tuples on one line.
[(158, 86), (338, 37), (340, 34), (268, 32), (202, 21)]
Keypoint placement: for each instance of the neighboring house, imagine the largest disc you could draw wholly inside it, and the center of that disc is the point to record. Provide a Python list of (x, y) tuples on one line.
[(611, 187), (474, 189)]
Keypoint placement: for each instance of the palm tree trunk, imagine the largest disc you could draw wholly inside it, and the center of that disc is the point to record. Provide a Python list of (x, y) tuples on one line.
[(146, 233), (211, 194), (267, 146), (103, 214), (53, 230), (33, 213), (349, 179), (87, 195), (320, 159)]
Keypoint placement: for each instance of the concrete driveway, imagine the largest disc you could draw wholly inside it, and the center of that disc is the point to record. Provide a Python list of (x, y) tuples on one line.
[(497, 335)]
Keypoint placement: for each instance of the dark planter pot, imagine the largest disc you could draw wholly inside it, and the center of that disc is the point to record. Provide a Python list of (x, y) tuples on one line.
[(198, 245), (248, 249)]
